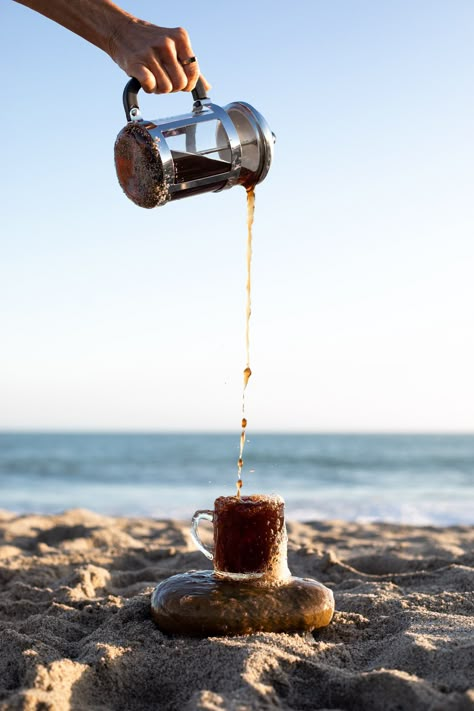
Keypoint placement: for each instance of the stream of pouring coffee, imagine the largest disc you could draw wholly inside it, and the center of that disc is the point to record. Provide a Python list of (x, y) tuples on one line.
[(248, 311)]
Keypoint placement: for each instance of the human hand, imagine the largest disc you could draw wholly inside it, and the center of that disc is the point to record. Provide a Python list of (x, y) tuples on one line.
[(154, 56)]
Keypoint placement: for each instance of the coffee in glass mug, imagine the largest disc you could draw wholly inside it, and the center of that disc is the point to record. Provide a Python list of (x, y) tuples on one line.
[(250, 539)]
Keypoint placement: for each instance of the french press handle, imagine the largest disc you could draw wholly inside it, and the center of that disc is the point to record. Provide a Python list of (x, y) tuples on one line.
[(130, 99)]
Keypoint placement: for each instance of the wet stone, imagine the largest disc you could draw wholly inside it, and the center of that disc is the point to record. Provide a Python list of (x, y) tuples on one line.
[(200, 603)]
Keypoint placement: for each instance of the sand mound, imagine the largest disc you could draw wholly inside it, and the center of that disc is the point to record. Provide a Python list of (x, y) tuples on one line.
[(75, 629)]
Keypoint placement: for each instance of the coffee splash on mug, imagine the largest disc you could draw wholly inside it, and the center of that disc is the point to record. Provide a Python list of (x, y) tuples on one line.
[(248, 311)]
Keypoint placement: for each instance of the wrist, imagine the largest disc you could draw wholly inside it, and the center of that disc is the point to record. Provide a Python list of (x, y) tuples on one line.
[(117, 29)]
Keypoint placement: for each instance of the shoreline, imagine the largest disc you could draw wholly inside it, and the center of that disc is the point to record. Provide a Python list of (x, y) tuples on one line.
[(76, 633)]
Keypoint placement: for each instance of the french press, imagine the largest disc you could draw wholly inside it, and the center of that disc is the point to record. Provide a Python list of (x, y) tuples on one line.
[(208, 150)]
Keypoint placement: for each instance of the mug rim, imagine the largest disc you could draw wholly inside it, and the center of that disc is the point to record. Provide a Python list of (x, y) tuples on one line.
[(252, 499)]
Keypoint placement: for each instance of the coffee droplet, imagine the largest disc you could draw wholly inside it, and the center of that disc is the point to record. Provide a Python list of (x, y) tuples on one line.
[(244, 423), (239, 483), (240, 463), (247, 374)]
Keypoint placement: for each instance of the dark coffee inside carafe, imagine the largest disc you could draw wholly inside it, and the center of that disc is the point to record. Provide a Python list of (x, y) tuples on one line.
[(191, 166)]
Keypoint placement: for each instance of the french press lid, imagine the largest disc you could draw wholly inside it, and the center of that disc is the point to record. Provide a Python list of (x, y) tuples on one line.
[(209, 149)]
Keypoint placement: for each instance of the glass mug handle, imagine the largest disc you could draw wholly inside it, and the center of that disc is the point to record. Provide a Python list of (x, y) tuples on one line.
[(199, 516)]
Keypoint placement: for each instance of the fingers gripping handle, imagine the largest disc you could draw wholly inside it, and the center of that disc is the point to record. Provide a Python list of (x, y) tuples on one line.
[(198, 516), (130, 95)]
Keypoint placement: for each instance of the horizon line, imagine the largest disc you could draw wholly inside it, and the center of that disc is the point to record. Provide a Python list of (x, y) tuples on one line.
[(197, 432)]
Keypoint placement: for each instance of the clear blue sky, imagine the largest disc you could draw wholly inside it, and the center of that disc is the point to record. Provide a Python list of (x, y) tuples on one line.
[(114, 317)]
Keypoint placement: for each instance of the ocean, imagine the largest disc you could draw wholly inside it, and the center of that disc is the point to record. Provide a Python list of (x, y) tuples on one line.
[(414, 479)]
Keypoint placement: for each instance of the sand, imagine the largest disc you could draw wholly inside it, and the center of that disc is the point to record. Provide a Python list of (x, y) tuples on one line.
[(76, 633)]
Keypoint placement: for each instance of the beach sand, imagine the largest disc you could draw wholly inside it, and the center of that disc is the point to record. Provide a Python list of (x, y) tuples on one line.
[(76, 633)]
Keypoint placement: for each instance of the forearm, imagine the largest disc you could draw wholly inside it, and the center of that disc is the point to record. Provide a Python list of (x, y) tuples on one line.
[(97, 21)]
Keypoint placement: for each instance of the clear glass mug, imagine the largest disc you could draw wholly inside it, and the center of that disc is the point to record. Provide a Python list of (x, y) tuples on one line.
[(250, 540)]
